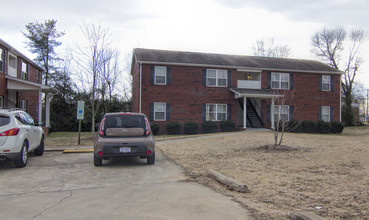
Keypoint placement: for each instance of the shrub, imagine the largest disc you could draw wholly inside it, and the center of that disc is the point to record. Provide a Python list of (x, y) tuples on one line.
[(155, 128), (190, 128), (209, 127), (295, 126), (227, 125), (337, 127), (174, 128), (309, 127), (324, 127)]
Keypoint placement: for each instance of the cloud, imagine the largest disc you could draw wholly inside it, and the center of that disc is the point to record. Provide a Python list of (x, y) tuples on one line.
[(339, 12)]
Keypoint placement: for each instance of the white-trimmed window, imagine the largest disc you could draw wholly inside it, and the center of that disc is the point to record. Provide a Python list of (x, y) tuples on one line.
[(325, 113), (216, 77), (326, 83), (281, 112), (160, 75), (216, 112), (280, 80), (1, 101), (2, 58), (23, 104), (159, 111), (24, 71)]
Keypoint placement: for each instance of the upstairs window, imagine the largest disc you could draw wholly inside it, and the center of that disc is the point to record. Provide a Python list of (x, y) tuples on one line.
[(216, 112), (24, 71), (216, 77), (326, 83), (2, 58), (13, 62), (280, 80), (160, 75)]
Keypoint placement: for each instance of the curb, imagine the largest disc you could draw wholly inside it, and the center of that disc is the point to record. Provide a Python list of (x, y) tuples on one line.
[(231, 183), (78, 151)]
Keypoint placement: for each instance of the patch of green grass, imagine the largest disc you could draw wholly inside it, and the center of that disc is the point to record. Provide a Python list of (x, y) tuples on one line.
[(65, 139)]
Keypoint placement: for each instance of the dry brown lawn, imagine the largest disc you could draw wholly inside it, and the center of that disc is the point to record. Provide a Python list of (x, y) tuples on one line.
[(325, 174)]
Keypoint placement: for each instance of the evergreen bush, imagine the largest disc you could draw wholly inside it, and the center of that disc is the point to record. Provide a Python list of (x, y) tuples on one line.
[(309, 127), (324, 127), (227, 126), (190, 128), (337, 127), (174, 128), (209, 127), (155, 128)]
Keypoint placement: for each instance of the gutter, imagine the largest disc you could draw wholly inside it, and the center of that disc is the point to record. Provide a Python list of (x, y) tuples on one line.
[(140, 90)]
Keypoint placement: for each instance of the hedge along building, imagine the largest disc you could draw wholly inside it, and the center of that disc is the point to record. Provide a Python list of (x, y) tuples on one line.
[(188, 86)]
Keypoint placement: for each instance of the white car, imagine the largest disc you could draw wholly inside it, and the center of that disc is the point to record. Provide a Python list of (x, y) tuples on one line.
[(19, 135)]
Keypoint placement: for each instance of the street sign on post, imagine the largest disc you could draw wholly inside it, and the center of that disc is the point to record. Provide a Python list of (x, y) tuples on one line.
[(80, 110), (80, 116)]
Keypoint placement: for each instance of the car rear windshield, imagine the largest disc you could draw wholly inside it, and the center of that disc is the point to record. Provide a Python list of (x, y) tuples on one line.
[(4, 120), (125, 121)]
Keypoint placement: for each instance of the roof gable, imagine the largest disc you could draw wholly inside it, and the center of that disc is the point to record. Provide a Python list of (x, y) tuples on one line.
[(230, 61)]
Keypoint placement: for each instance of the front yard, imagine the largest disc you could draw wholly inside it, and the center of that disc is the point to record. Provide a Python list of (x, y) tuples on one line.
[(325, 174)]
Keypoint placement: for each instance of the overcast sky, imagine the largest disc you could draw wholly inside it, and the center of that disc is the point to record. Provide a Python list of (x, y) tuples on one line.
[(216, 26)]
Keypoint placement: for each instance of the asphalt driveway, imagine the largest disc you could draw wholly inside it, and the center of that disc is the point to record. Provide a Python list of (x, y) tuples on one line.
[(68, 186)]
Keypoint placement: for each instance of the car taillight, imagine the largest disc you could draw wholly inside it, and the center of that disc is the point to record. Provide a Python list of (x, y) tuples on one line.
[(101, 131), (11, 132), (148, 128)]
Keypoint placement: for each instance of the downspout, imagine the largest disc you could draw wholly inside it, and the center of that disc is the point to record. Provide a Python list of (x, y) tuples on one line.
[(139, 103)]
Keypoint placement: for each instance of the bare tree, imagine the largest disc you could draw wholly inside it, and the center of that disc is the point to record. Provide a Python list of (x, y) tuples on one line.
[(329, 45), (283, 118), (267, 48), (98, 67)]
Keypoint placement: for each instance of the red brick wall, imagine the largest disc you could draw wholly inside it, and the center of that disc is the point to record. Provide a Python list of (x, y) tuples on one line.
[(186, 94), (306, 97), (32, 98), (135, 86)]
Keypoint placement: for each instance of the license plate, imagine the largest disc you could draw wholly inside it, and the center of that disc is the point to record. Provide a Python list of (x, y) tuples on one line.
[(124, 149)]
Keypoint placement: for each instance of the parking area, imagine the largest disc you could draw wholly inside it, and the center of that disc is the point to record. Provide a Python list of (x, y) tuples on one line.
[(68, 186)]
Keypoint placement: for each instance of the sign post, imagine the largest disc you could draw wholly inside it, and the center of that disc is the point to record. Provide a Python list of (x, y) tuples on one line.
[(80, 116)]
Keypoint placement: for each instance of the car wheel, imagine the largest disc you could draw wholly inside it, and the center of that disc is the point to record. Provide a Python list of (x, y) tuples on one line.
[(151, 159), (39, 151), (21, 160), (97, 161)]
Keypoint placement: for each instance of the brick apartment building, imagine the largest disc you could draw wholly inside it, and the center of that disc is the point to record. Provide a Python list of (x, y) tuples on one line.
[(21, 83), (250, 91)]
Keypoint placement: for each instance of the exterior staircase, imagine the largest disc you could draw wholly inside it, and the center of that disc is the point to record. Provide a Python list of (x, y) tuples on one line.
[(252, 115)]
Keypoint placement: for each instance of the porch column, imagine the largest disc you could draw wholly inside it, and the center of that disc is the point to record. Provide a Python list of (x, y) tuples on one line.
[(244, 112), (272, 113), (39, 107), (47, 109)]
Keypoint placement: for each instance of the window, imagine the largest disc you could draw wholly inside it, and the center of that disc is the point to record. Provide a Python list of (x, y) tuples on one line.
[(216, 77), (160, 75), (2, 58), (280, 80), (13, 62), (326, 83), (23, 104), (325, 113), (24, 71), (159, 111), (216, 112), (281, 112), (1, 102)]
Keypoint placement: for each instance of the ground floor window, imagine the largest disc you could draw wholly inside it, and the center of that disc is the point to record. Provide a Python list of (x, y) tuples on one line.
[(281, 112), (1, 101), (159, 111), (216, 112), (325, 113), (23, 104)]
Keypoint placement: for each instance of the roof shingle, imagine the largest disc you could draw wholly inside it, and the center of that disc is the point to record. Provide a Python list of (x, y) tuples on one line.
[(230, 61)]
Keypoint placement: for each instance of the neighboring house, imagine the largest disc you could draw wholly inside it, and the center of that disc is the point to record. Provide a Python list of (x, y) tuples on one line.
[(21, 83), (187, 86)]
